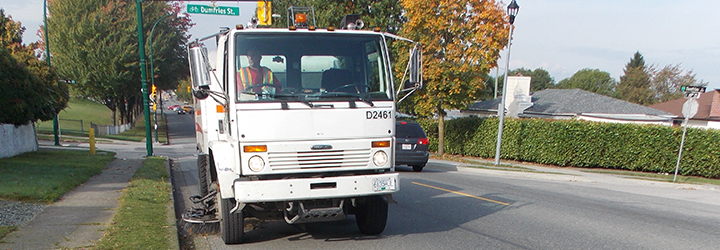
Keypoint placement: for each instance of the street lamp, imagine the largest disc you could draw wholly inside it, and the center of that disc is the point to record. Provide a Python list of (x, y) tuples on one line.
[(512, 11), (152, 69)]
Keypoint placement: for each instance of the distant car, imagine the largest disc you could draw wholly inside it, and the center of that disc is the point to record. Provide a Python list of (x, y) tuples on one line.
[(188, 108), (173, 107), (411, 145), (179, 110)]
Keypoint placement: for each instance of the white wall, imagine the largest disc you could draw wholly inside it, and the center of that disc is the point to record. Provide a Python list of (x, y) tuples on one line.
[(713, 125), (17, 140)]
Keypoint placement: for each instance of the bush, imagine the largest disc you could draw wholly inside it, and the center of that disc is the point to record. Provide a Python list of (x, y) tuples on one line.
[(29, 91), (650, 148)]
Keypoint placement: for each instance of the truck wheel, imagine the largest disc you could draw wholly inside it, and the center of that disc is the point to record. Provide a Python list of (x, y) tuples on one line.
[(231, 225), (203, 174), (371, 215)]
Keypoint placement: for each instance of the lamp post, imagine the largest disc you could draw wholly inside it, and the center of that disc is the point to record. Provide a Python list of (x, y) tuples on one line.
[(512, 11), (143, 78), (152, 73)]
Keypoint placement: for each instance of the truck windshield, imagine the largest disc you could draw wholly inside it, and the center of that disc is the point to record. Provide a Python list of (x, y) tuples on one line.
[(306, 66)]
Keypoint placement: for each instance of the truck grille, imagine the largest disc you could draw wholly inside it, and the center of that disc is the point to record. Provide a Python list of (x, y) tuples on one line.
[(349, 158)]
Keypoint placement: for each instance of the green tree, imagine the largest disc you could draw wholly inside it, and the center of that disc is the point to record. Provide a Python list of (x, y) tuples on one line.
[(592, 80), (95, 43), (385, 14), (461, 43), (168, 45), (182, 92), (635, 85), (667, 81), (30, 90), (10, 31), (540, 78)]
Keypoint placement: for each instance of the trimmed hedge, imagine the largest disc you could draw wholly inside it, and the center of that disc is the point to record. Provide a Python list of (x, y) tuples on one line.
[(649, 148)]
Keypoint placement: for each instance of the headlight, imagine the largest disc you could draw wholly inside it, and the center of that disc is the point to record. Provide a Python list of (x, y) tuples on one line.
[(256, 163), (380, 158)]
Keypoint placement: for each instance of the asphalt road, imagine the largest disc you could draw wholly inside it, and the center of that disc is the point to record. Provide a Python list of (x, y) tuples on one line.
[(450, 207)]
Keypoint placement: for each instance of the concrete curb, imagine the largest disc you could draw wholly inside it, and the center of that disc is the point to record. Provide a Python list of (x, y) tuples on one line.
[(170, 211)]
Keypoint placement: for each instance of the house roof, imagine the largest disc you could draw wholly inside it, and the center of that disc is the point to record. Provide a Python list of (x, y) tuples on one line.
[(708, 108), (575, 101)]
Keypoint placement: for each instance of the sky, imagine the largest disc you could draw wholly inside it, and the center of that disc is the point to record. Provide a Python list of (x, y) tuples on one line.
[(560, 36)]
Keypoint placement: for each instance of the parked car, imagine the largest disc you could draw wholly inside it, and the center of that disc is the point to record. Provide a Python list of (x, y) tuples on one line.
[(411, 145)]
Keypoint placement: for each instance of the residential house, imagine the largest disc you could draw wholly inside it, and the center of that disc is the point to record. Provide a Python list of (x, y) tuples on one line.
[(708, 113), (578, 104)]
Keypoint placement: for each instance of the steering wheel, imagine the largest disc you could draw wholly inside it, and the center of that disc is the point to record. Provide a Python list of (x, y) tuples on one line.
[(252, 87), (362, 86)]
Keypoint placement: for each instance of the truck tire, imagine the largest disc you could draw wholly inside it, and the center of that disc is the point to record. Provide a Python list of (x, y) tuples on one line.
[(203, 174), (371, 215), (231, 225)]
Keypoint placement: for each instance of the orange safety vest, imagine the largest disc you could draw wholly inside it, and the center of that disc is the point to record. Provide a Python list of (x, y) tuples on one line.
[(245, 76)]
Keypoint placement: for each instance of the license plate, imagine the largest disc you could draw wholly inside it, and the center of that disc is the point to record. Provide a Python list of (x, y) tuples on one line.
[(407, 147), (381, 184)]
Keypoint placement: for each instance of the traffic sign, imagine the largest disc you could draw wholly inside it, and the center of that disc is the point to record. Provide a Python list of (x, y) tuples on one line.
[(690, 108), (213, 10), (692, 91)]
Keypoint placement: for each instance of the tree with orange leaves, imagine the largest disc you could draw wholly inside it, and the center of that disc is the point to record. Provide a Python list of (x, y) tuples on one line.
[(462, 40)]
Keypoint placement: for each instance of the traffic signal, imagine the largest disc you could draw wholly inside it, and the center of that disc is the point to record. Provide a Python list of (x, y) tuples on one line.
[(153, 92), (188, 89)]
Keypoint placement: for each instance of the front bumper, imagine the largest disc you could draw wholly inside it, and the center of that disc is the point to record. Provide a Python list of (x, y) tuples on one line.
[(411, 158), (315, 188)]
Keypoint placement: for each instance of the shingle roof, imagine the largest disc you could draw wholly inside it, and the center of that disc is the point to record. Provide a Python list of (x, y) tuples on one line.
[(708, 108), (575, 101)]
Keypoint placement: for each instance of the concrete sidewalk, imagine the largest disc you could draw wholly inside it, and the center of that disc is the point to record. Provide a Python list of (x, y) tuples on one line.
[(80, 217), (703, 193)]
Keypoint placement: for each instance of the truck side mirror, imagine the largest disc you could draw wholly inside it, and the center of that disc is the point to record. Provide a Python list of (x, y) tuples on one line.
[(414, 69), (415, 66), (199, 73)]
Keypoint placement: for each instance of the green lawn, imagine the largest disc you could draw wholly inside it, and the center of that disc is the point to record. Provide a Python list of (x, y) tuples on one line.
[(91, 112), (44, 176), (141, 219), (77, 110)]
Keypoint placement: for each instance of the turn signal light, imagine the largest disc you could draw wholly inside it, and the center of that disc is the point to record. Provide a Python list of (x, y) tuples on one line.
[(255, 148), (381, 144)]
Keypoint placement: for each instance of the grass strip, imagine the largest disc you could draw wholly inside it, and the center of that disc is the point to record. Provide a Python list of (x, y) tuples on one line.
[(141, 220), (666, 177), (487, 165), (5, 230), (45, 175)]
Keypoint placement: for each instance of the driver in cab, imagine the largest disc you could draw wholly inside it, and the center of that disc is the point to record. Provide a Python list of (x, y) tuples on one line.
[(256, 75)]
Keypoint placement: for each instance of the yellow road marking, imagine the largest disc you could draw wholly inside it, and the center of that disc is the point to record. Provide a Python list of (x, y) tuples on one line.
[(460, 193)]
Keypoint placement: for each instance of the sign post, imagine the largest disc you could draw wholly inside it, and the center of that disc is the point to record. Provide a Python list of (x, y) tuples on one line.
[(689, 110)]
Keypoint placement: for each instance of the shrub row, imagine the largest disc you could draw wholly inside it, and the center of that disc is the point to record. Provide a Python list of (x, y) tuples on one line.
[(649, 148)]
